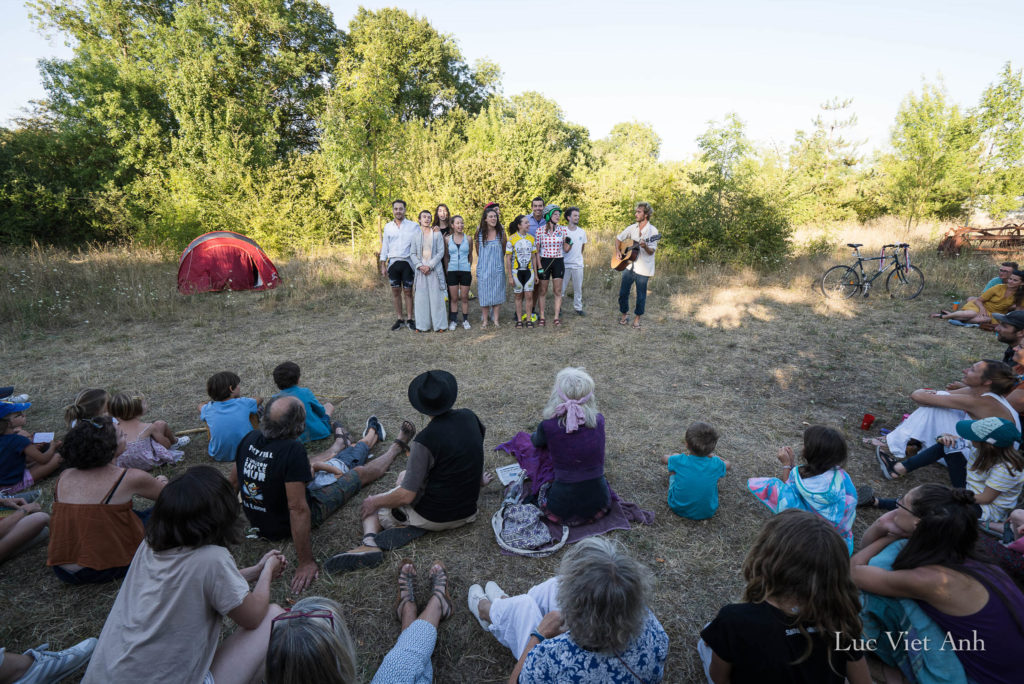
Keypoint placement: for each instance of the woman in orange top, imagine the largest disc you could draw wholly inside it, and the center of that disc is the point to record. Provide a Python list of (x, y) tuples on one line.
[(94, 532)]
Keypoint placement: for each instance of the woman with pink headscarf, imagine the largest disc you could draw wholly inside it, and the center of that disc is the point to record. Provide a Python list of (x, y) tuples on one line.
[(573, 434)]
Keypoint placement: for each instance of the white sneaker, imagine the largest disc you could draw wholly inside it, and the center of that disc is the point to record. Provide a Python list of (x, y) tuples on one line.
[(53, 666), (465, 323), (494, 592), (182, 441), (17, 399), (451, 325), (473, 598)]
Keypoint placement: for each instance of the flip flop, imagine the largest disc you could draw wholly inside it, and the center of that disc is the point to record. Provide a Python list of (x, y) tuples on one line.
[(368, 557), (887, 463), (397, 537), (624, 320)]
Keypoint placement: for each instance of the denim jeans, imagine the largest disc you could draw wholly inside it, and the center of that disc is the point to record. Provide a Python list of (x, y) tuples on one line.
[(628, 278)]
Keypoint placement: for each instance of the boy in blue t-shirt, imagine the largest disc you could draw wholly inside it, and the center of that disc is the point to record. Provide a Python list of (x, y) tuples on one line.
[(693, 477), (318, 416), (228, 415)]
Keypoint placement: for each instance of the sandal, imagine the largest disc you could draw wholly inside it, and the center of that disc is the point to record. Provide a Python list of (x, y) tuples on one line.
[(624, 320), (540, 322), (407, 426), (406, 591), (941, 314), (341, 433), (439, 588), (887, 463), (558, 322), (519, 324), (529, 324)]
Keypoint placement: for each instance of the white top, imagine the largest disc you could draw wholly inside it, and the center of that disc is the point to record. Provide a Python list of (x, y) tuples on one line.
[(574, 257), (644, 264), (397, 242)]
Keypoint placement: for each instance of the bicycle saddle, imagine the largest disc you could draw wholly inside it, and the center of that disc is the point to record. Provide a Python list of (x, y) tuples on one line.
[(850, 244)]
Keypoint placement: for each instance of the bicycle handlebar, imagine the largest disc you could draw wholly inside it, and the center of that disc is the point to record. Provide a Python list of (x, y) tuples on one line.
[(897, 245)]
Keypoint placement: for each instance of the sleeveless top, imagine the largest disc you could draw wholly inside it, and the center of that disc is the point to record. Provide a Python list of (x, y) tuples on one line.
[(97, 536), (458, 255)]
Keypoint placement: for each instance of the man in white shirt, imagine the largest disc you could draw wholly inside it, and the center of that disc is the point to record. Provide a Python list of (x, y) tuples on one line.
[(645, 235), (574, 258), (395, 248)]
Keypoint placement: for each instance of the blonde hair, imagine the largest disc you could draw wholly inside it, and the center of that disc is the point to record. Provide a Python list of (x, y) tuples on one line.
[(89, 403), (127, 405), (574, 383), (308, 649)]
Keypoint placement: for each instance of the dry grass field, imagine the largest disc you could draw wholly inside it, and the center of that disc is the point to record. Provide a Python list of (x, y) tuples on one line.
[(759, 355)]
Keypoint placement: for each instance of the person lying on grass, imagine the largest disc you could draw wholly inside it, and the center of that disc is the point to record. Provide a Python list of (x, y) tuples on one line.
[(440, 487), (273, 470), (980, 394), (165, 624), (22, 463), (311, 643), (998, 299)]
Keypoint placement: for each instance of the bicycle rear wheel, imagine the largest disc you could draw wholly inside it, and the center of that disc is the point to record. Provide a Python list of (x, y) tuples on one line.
[(902, 284), (840, 282)]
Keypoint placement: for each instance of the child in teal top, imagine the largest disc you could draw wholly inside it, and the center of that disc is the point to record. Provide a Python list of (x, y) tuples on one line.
[(318, 416), (693, 477)]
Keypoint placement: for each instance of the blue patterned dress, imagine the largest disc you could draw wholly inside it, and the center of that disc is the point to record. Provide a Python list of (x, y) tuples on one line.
[(490, 273)]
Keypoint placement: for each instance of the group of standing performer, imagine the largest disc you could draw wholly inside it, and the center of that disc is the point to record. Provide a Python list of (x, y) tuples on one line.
[(430, 263)]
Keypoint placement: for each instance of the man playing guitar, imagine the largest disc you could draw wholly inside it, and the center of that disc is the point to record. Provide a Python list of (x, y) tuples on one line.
[(645, 235)]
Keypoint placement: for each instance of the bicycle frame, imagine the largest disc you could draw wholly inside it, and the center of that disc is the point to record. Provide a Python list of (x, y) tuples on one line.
[(893, 257)]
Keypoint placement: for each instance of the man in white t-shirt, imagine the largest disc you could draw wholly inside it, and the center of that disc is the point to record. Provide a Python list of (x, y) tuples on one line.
[(395, 248), (574, 258), (644, 235)]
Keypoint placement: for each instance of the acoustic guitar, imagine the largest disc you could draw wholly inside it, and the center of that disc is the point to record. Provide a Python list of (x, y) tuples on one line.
[(631, 251)]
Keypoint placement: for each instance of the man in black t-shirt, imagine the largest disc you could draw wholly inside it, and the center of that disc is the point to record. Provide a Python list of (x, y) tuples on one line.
[(439, 488), (272, 470)]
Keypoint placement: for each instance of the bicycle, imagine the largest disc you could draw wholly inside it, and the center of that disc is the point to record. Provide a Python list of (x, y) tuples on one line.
[(903, 282)]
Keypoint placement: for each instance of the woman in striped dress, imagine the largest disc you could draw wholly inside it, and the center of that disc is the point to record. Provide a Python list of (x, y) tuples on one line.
[(490, 267)]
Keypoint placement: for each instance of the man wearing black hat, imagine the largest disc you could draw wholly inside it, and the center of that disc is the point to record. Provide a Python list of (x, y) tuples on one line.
[(440, 486)]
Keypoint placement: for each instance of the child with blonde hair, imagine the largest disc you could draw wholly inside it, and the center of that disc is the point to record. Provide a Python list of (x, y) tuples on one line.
[(91, 402), (148, 444)]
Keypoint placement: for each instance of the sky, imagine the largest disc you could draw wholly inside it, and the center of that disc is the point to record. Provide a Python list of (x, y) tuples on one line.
[(679, 65)]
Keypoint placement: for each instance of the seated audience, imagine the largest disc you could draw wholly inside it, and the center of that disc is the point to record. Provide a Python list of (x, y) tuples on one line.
[(149, 444), (981, 394), (800, 611), (22, 463), (819, 485), (318, 416), (311, 643), (970, 601), (166, 621), (998, 299), (94, 531), (591, 623), (273, 470), (694, 476), (440, 486), (1006, 269), (228, 415), (89, 403)]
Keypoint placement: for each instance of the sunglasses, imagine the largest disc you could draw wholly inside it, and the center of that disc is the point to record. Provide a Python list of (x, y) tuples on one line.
[(293, 614)]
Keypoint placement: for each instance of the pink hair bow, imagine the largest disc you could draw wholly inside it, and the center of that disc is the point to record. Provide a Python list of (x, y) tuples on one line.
[(572, 410)]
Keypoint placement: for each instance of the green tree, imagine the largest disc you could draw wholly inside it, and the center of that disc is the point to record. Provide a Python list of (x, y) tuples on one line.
[(999, 119), (623, 172)]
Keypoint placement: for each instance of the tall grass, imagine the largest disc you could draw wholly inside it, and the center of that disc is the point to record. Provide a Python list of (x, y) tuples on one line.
[(45, 288)]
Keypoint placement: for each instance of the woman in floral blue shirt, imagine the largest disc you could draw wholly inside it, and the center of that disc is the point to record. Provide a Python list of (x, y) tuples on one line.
[(588, 625)]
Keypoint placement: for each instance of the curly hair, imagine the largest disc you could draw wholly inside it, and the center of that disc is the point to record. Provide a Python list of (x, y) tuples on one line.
[(92, 443), (603, 594)]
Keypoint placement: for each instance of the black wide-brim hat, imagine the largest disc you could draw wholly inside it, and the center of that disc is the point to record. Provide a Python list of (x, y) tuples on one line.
[(434, 392)]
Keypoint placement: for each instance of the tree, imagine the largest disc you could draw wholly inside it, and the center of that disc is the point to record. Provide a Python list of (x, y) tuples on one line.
[(623, 172), (999, 119), (929, 170)]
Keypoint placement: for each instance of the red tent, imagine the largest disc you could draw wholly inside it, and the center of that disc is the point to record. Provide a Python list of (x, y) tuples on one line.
[(225, 261)]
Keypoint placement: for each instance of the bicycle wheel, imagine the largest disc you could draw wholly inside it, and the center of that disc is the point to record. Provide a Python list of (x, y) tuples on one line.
[(840, 282), (902, 284)]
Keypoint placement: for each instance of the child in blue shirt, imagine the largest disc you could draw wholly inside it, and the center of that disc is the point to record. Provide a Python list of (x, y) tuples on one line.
[(693, 477), (228, 415), (22, 463), (318, 416)]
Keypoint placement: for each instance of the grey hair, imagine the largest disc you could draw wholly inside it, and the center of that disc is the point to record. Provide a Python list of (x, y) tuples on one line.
[(575, 383), (290, 424), (603, 592), (308, 650)]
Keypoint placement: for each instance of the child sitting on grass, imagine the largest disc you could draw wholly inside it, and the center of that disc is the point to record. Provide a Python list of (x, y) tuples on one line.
[(693, 476), (148, 444), (800, 615), (228, 415), (318, 416), (820, 485), (22, 463), (89, 403)]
